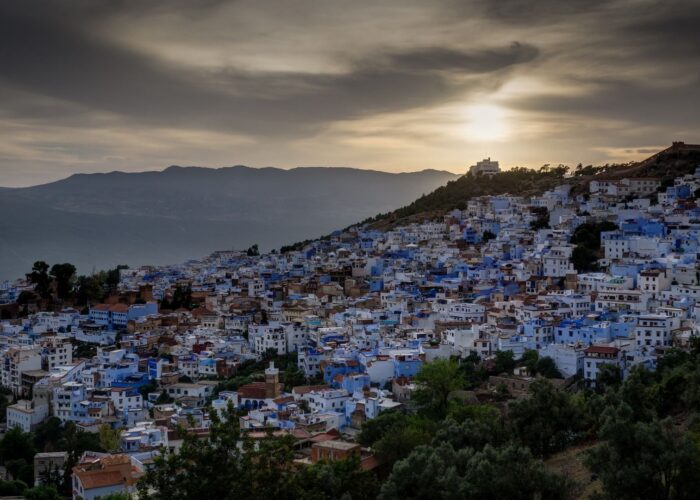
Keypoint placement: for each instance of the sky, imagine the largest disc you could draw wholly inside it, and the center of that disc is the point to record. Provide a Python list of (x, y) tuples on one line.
[(134, 85)]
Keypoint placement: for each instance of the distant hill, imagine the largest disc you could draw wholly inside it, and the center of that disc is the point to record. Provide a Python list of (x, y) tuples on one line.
[(676, 160), (100, 220)]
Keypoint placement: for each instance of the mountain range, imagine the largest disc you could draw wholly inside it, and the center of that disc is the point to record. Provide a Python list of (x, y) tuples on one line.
[(96, 221)]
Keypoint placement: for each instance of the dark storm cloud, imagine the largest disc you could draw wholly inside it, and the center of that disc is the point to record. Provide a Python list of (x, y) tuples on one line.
[(440, 58), (78, 76), (50, 57), (532, 12), (624, 100), (645, 69), (668, 30)]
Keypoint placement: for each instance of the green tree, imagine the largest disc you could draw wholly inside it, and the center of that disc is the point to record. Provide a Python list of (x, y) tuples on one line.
[(542, 218), (547, 368), (436, 380), (547, 421), (229, 466), (339, 479), (182, 297), (43, 492), (118, 495), (48, 434), (12, 488), (399, 443), (164, 398), (17, 445), (529, 360), (151, 386), (472, 371), (478, 426), (644, 459), (584, 259), (39, 277), (109, 438), (292, 377), (443, 472), (89, 290), (609, 375), (113, 276), (64, 277), (25, 297), (373, 430), (503, 362)]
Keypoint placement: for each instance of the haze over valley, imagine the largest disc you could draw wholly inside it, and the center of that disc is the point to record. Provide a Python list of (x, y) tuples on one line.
[(101, 220)]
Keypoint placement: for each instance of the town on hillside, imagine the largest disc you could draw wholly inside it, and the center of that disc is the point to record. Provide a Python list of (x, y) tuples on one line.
[(315, 343)]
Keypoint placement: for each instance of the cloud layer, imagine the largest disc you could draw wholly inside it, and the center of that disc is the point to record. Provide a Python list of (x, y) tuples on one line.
[(141, 84)]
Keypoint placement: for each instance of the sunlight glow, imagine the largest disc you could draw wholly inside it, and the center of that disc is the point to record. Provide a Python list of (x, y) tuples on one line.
[(486, 122)]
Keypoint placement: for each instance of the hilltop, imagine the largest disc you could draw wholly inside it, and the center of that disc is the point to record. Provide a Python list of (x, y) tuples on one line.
[(678, 159)]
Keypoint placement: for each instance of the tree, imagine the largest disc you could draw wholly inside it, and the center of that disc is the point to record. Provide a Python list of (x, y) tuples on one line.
[(584, 259), (443, 472), (89, 290), (393, 435), (39, 277), (542, 219), (436, 381), (338, 479), (182, 297), (644, 459), (487, 236), (117, 495), (12, 488), (480, 425), (44, 492), (17, 445), (253, 251), (292, 377), (547, 421), (25, 297), (109, 438), (547, 368), (373, 430), (472, 371), (230, 465), (48, 434), (587, 239), (399, 443), (609, 375), (503, 362), (529, 360), (146, 389), (113, 276), (64, 277), (164, 398)]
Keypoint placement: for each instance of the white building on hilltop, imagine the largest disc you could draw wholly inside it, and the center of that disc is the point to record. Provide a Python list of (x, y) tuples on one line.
[(484, 167)]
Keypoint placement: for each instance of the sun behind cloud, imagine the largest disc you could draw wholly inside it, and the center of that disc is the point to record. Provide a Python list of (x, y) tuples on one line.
[(486, 122)]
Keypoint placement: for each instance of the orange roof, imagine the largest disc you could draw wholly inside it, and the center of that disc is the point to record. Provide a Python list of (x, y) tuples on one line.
[(305, 389), (99, 479), (283, 399), (600, 349), (256, 390)]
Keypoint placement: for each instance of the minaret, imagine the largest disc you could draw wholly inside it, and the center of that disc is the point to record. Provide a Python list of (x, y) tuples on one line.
[(272, 381)]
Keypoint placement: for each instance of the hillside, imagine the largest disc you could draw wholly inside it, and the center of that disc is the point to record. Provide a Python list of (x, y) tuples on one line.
[(676, 160), (100, 220)]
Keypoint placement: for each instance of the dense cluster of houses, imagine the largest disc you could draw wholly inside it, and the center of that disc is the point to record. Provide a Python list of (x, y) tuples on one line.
[(363, 310)]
